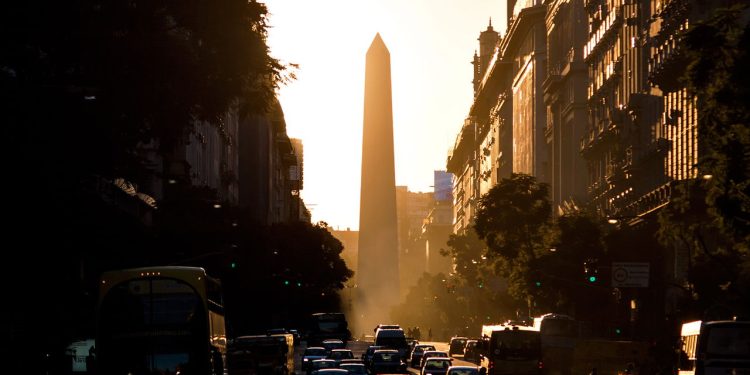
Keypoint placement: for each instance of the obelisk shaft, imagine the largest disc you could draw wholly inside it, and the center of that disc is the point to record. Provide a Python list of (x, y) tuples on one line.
[(378, 276)]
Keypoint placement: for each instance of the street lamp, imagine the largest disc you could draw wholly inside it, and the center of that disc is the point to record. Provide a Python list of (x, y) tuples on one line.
[(615, 220)]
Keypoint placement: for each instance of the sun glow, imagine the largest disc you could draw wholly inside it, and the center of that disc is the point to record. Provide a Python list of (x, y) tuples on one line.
[(431, 44)]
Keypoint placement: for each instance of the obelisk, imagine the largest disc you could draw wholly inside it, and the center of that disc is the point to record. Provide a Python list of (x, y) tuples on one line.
[(378, 276)]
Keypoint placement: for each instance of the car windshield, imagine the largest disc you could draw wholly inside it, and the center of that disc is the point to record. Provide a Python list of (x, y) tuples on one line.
[(340, 355), (422, 349), (437, 364), (315, 352), (387, 357)]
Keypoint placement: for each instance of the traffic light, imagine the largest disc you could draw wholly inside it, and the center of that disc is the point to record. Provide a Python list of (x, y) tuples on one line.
[(233, 265), (538, 283), (591, 270), (286, 282)]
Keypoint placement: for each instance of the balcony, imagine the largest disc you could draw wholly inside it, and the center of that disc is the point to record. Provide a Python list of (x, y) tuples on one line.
[(604, 32), (665, 65)]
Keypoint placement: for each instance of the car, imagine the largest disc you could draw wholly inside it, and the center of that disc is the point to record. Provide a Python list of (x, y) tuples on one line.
[(339, 354), (430, 354), (331, 344), (354, 368), (386, 326), (367, 355), (436, 366), (416, 355), (311, 354), (331, 371), (352, 360), (387, 361), (464, 370), (320, 364), (457, 345), (470, 351)]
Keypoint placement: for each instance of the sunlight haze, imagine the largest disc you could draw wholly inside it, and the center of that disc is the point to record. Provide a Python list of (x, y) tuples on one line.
[(431, 43)]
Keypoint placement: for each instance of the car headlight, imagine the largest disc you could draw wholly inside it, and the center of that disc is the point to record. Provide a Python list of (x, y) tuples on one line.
[(305, 359)]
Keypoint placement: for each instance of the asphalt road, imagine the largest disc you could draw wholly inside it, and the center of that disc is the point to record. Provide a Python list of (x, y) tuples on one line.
[(358, 348)]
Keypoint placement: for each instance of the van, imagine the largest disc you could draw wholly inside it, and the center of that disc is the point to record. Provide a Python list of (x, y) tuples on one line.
[(392, 338)]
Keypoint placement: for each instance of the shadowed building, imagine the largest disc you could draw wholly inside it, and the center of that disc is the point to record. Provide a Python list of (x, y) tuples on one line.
[(378, 276)]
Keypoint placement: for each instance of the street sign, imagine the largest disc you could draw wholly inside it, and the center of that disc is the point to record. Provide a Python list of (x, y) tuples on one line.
[(630, 274)]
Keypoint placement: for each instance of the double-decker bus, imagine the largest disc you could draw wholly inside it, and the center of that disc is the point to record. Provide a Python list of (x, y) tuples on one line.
[(160, 320), (717, 347), (511, 350)]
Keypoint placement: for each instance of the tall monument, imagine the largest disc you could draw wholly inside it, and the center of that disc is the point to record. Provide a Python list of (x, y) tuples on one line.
[(377, 276)]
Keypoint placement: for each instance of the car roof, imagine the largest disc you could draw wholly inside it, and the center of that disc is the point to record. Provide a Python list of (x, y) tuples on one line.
[(464, 367), (332, 340), (435, 351), (315, 347), (341, 350), (332, 371), (386, 351), (439, 359), (352, 364), (324, 360)]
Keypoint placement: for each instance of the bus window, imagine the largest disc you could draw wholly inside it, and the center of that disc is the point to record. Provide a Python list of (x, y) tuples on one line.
[(728, 342)]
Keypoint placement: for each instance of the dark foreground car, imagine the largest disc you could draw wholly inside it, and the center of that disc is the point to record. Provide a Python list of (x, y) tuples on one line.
[(387, 361)]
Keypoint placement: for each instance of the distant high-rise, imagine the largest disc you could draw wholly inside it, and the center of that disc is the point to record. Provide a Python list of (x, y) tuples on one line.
[(378, 276)]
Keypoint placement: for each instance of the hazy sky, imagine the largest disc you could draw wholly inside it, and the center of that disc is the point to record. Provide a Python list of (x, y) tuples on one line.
[(431, 44)]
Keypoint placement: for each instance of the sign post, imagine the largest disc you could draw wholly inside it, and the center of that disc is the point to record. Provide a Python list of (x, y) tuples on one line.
[(630, 274)]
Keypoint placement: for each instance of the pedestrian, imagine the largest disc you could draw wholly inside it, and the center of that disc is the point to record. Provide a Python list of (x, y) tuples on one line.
[(429, 334)]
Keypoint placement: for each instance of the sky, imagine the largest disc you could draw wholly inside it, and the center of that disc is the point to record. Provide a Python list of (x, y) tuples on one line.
[(431, 43)]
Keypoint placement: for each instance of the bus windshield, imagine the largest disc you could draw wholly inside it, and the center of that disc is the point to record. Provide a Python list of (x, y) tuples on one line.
[(559, 327), (147, 325), (730, 341), (516, 344)]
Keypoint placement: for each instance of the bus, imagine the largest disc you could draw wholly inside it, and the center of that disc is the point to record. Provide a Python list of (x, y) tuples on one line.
[(511, 350), (324, 326), (261, 354), (716, 347), (558, 335), (160, 320)]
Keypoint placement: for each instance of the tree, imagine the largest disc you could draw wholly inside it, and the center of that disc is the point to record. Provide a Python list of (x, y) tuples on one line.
[(292, 269), (710, 216), (513, 219)]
